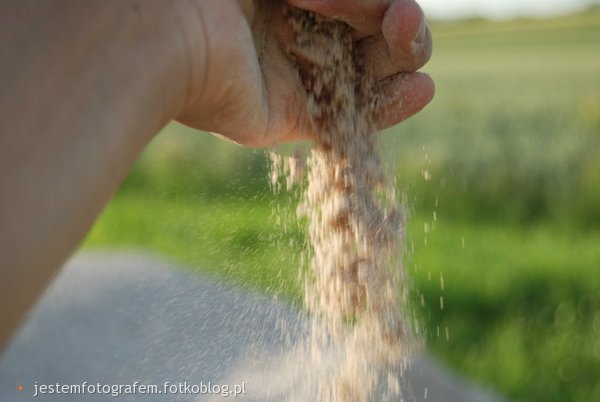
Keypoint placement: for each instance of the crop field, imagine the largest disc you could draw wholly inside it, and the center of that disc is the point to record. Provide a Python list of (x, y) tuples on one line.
[(501, 179)]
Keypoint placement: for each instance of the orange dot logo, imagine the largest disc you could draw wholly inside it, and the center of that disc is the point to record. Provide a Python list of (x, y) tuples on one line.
[(20, 388)]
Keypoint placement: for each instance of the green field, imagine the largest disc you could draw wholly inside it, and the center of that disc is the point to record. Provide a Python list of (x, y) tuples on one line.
[(512, 143)]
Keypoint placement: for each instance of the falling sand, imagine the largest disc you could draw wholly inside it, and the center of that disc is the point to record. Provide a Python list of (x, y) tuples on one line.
[(354, 284)]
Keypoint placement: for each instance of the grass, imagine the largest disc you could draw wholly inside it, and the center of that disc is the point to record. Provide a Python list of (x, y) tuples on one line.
[(232, 238), (511, 143), (521, 306)]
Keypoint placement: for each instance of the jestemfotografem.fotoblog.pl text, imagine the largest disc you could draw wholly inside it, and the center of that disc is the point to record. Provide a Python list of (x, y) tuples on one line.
[(135, 388)]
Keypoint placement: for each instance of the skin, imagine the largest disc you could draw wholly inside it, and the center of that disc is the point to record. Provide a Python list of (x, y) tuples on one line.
[(86, 85)]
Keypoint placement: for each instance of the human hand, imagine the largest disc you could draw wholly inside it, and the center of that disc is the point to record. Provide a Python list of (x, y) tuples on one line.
[(244, 87)]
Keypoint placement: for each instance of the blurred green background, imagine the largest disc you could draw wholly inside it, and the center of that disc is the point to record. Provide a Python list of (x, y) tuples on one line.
[(501, 174)]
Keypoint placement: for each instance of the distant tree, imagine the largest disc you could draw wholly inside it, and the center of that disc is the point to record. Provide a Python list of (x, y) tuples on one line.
[(593, 6)]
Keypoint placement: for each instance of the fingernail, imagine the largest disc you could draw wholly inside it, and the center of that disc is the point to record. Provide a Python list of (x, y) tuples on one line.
[(421, 36)]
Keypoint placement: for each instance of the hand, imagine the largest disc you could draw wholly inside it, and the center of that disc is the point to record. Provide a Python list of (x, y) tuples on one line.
[(245, 88)]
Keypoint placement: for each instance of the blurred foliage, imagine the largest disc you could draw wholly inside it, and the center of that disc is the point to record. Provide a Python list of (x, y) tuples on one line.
[(501, 174), (513, 134)]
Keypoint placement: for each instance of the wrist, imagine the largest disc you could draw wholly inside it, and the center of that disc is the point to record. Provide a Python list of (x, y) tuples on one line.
[(168, 57)]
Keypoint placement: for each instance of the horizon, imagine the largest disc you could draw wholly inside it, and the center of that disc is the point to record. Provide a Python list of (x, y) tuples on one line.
[(501, 9)]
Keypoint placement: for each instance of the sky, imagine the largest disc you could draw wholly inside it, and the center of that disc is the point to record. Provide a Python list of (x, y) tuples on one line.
[(447, 9)]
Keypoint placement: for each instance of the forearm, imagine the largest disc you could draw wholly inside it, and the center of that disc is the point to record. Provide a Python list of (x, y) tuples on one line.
[(85, 85)]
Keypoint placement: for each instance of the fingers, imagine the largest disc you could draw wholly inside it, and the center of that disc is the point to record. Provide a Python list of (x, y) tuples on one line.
[(363, 15), (396, 37), (407, 36), (396, 42), (381, 63), (405, 44), (406, 95)]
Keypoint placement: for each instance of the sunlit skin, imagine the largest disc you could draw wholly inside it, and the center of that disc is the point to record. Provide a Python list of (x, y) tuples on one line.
[(86, 85)]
